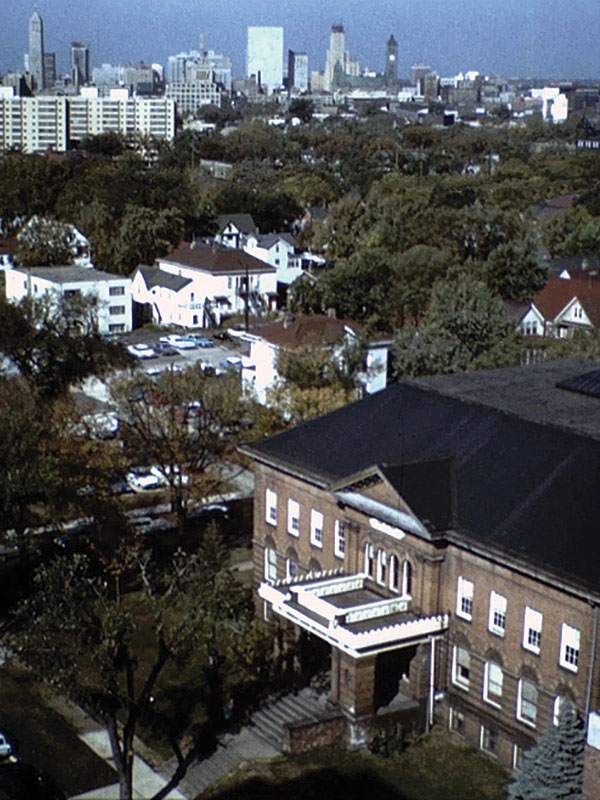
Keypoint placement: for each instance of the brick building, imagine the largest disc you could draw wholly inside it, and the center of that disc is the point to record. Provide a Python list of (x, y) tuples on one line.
[(440, 539)]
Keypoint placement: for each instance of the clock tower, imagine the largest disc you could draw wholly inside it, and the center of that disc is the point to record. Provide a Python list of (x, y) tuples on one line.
[(391, 62)]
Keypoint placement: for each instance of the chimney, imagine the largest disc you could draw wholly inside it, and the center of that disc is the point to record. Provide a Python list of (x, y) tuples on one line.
[(331, 313), (288, 319)]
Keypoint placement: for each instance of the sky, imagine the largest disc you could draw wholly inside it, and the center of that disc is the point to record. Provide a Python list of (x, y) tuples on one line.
[(513, 38)]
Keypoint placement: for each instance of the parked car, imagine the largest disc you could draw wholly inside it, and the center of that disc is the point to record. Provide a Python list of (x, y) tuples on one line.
[(148, 524), (141, 351), (165, 349), (201, 341), (6, 748), (231, 362), (178, 341), (143, 479)]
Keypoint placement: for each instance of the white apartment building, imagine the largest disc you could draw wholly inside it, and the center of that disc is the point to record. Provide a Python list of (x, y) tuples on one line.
[(112, 291), (33, 124), (39, 124), (188, 97)]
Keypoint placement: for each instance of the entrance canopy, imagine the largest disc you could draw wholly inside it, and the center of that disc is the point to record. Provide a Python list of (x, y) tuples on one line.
[(351, 612)]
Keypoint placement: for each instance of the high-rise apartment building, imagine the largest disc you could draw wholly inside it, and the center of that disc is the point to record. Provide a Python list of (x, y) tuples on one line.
[(265, 56), (297, 72), (80, 64), (36, 50), (391, 62)]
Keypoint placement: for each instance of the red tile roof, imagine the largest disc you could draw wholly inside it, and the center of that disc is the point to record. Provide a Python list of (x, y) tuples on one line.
[(216, 259)]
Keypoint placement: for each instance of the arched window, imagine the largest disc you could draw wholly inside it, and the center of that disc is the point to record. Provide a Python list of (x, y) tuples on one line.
[(270, 564), (381, 566), (406, 577), (394, 573), (369, 557)]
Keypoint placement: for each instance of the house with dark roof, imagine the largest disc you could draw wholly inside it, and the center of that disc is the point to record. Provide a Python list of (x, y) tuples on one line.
[(569, 301), (260, 372), (199, 285), (113, 292), (437, 545), (234, 229)]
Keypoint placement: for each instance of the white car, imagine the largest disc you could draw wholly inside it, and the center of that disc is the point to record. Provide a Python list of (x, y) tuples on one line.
[(144, 479), (178, 341), (6, 747), (141, 351), (158, 472)]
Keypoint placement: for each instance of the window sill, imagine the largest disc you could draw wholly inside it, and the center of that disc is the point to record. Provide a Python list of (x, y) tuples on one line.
[(461, 686), (569, 667), (526, 722), (498, 633), (491, 703), (534, 650)]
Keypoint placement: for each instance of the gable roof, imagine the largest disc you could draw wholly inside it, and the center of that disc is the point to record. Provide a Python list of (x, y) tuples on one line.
[(153, 276), (216, 260), (558, 293), (305, 330), (267, 240), (525, 457), (243, 222)]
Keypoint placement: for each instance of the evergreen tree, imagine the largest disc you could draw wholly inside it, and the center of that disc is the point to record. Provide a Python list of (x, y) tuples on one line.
[(553, 768)]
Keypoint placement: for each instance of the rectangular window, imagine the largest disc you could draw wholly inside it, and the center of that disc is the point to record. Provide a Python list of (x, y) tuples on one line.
[(271, 507), (316, 528), (527, 700), (517, 757), (116, 310), (115, 291), (464, 599), (456, 721), (532, 629), (492, 683), (293, 519), (116, 328), (461, 667), (497, 618), (488, 740), (270, 564), (569, 647), (339, 541)]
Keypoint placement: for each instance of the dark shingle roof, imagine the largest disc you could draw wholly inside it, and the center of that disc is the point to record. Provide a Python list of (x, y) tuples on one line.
[(72, 274), (243, 222), (521, 482), (158, 277)]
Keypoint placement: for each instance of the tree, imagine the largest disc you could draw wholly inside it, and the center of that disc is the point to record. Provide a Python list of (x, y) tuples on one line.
[(464, 320), (553, 768), (109, 651), (514, 271), (144, 234), (48, 243), (54, 342), (301, 107), (184, 423)]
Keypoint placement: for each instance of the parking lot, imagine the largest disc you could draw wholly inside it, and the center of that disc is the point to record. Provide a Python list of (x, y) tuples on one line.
[(213, 355)]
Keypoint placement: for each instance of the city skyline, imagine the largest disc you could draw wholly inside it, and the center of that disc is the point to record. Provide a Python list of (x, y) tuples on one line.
[(536, 39)]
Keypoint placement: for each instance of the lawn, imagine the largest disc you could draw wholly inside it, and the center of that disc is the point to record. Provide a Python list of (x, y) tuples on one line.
[(46, 740), (438, 768)]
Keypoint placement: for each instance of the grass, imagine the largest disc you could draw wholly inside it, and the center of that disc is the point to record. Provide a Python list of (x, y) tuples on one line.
[(46, 740), (438, 767)]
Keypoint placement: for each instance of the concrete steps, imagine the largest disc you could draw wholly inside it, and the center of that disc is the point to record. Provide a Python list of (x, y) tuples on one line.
[(263, 738)]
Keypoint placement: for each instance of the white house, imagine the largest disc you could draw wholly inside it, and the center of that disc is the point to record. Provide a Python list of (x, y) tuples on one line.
[(259, 370), (112, 291), (234, 229), (278, 250), (198, 285)]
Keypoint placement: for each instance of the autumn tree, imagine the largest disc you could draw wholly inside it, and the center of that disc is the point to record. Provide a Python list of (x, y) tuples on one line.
[(109, 651), (184, 423)]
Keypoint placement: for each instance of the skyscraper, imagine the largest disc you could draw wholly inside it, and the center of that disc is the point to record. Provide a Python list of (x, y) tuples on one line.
[(338, 63), (36, 50), (265, 56), (49, 69), (297, 72), (80, 64), (391, 62)]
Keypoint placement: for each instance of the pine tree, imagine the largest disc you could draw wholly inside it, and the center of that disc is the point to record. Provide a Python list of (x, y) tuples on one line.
[(553, 768)]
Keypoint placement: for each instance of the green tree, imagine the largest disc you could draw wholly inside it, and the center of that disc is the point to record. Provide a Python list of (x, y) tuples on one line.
[(464, 320), (55, 344), (109, 651), (514, 271), (145, 234), (553, 768), (301, 107), (47, 243)]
